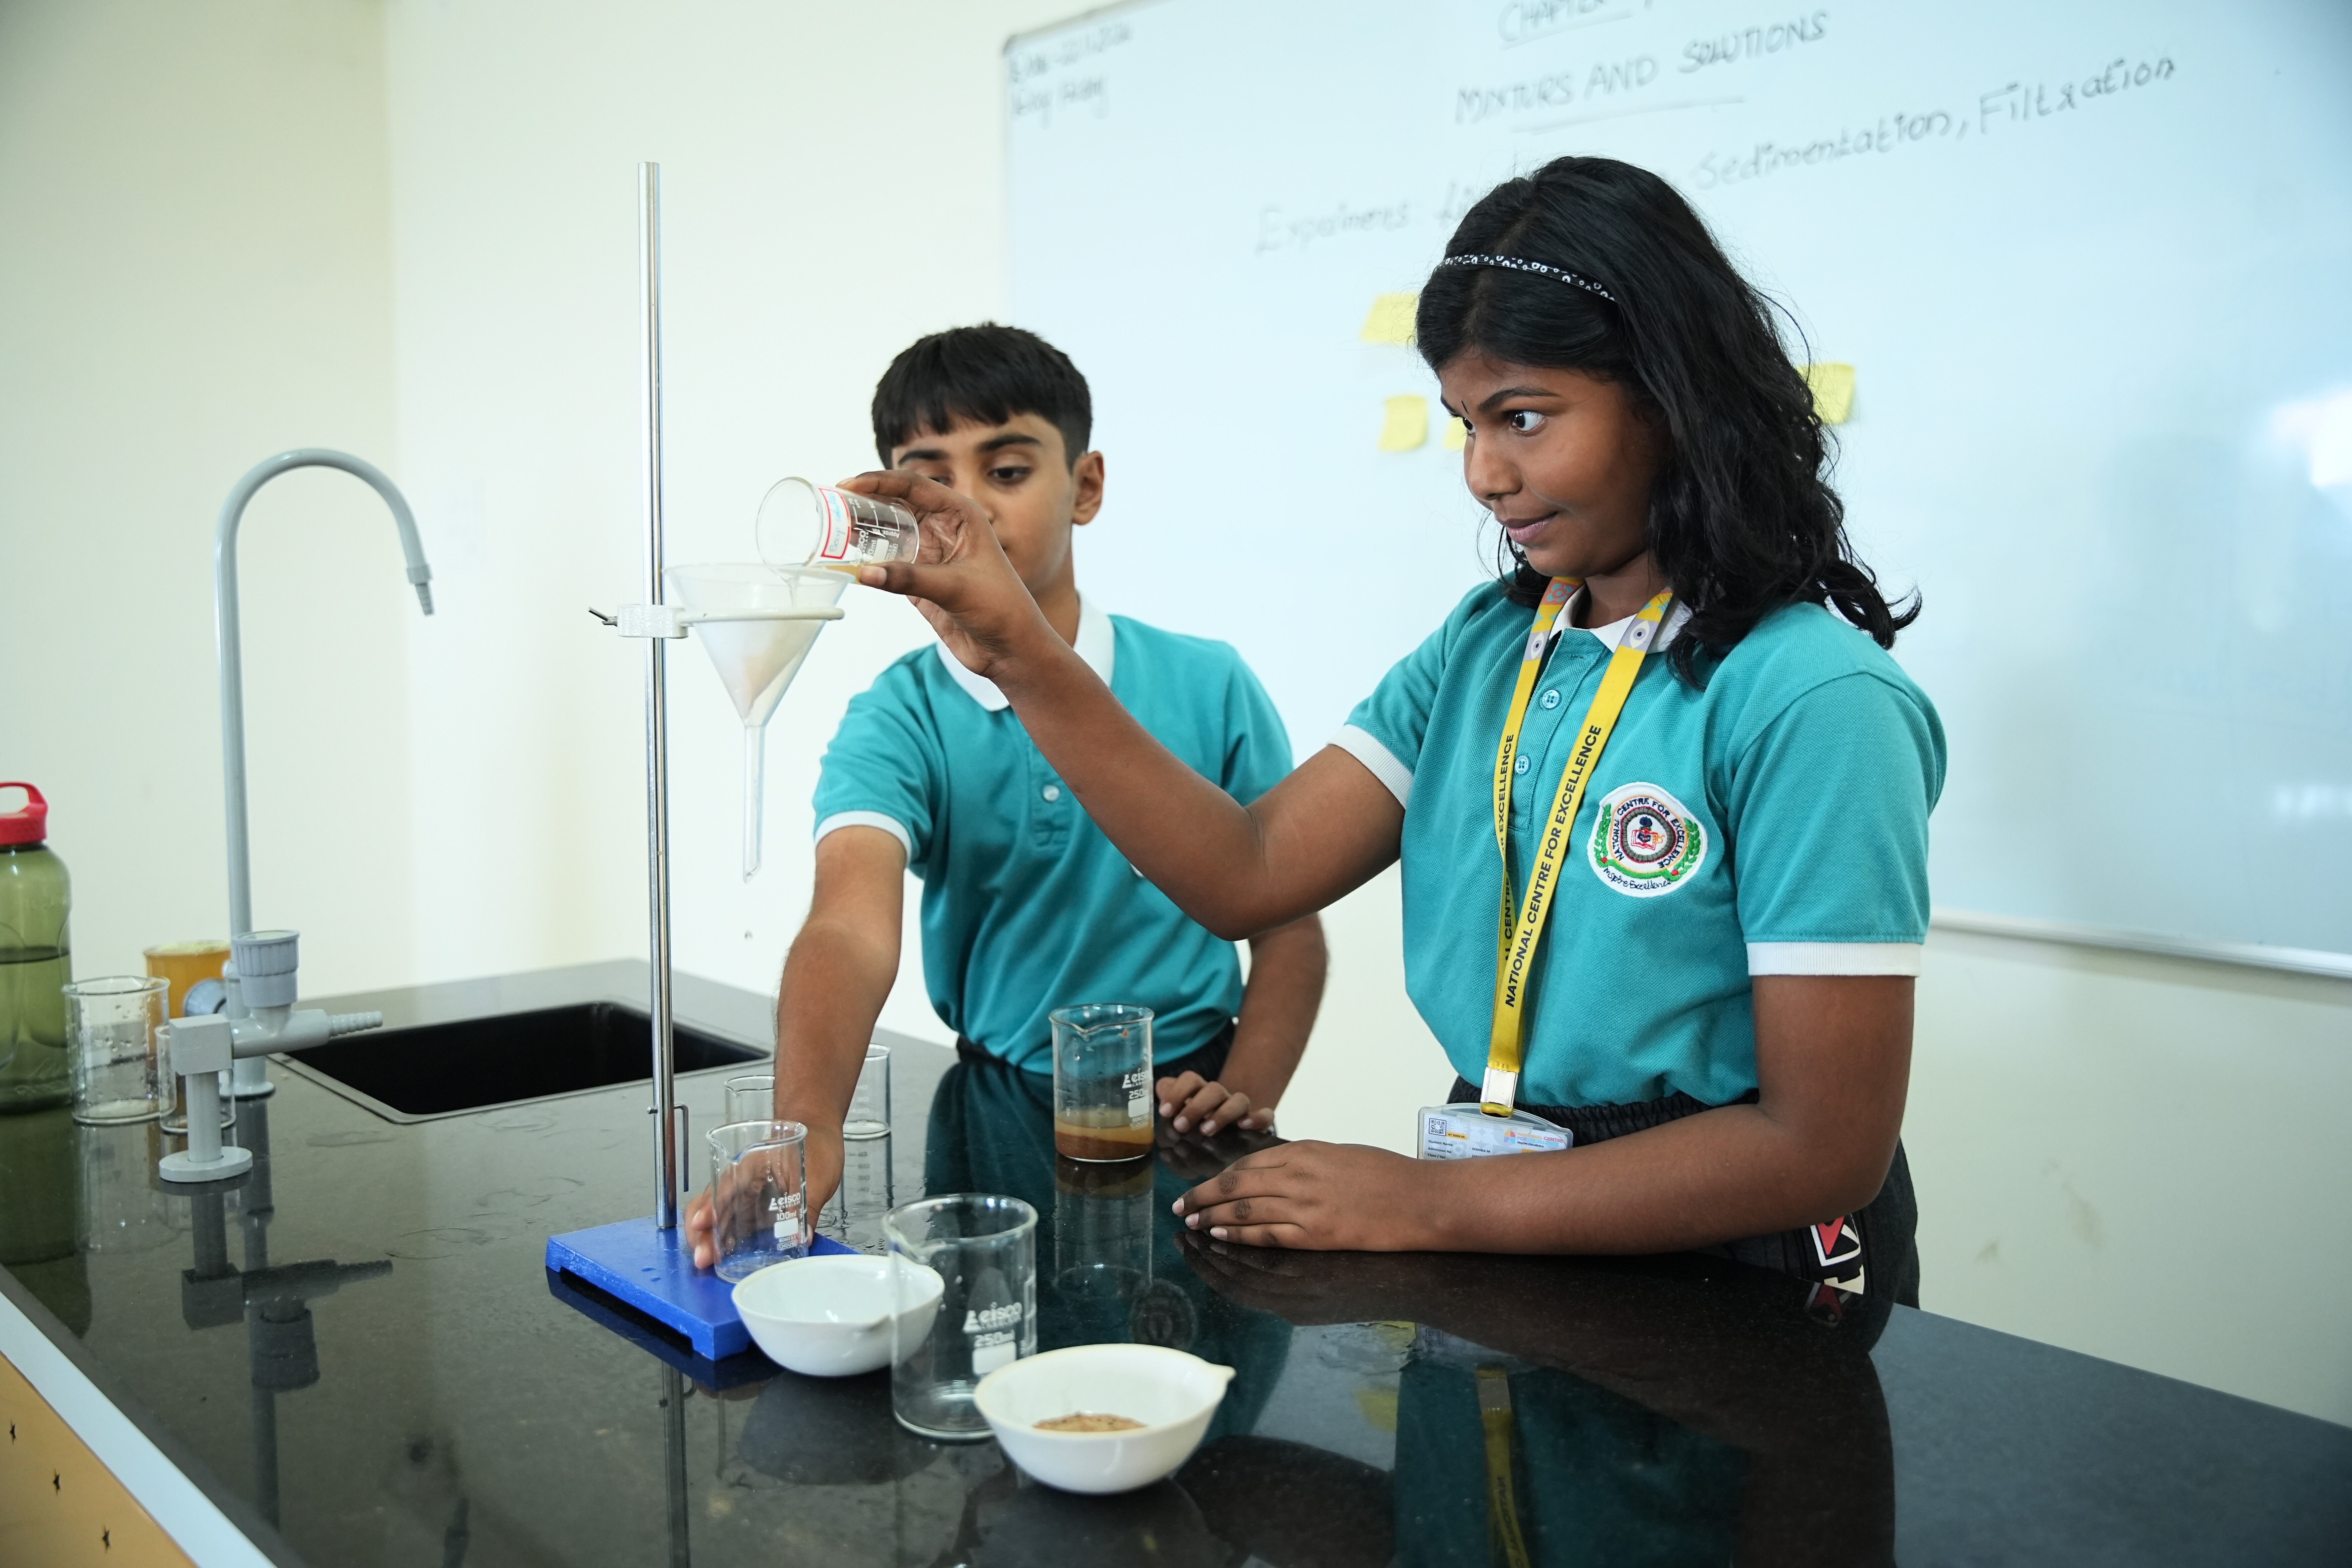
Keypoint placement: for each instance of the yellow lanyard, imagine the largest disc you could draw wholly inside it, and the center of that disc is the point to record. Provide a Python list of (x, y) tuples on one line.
[(1516, 948)]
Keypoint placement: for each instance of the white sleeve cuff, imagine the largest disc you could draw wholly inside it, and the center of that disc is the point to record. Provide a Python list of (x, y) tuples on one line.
[(888, 825), (1835, 957), (1382, 763)]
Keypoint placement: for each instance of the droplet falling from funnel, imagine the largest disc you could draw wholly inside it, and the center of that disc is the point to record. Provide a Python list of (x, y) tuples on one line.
[(756, 660)]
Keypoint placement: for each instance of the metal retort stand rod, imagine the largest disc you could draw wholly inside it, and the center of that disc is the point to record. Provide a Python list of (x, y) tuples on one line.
[(645, 1262), (666, 1134)]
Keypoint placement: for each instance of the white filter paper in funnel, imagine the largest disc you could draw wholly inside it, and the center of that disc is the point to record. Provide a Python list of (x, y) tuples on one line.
[(756, 660)]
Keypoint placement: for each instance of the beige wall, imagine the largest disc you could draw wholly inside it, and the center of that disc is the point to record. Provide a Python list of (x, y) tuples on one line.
[(244, 226), (834, 188), (196, 268)]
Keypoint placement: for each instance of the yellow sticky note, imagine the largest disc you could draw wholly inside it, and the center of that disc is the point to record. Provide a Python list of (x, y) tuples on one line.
[(1404, 423), (1833, 387), (1455, 435), (1390, 320)]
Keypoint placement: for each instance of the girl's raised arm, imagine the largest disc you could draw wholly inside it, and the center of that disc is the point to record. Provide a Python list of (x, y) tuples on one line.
[(1238, 871)]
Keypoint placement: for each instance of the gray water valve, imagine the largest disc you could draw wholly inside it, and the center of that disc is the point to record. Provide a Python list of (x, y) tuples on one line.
[(201, 1047), (265, 962)]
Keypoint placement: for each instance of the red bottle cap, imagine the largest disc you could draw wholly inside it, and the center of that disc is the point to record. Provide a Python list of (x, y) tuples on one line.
[(29, 824)]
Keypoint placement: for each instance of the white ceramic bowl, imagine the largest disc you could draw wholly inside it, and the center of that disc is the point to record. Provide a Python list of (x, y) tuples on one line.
[(830, 1315), (1171, 1393)]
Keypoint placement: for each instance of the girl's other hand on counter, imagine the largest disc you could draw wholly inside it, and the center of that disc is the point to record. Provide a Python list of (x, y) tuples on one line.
[(960, 580), (1189, 1100)]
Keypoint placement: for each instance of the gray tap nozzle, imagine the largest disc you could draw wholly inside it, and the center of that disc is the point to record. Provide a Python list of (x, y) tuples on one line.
[(353, 1023), (266, 961)]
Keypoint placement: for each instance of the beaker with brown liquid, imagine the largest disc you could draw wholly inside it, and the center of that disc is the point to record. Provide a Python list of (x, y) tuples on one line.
[(1102, 1081)]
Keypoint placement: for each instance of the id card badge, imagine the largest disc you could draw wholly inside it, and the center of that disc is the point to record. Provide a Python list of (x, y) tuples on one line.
[(1465, 1132)]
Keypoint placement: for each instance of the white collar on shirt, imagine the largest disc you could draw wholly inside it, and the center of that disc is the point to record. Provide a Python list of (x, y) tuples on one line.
[(1097, 642), (1614, 633)]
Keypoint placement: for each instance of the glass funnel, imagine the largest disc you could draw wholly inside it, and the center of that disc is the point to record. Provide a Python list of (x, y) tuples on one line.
[(756, 659)]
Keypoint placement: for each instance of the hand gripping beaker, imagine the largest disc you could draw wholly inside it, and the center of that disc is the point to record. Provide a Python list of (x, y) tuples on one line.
[(756, 659), (802, 524)]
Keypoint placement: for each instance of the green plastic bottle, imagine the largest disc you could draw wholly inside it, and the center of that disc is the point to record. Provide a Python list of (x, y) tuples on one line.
[(36, 959)]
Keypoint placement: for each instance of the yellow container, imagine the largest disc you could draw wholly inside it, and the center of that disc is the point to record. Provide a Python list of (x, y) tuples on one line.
[(184, 964)]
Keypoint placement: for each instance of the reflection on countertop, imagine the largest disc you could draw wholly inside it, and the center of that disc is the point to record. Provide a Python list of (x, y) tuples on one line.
[(422, 1391)]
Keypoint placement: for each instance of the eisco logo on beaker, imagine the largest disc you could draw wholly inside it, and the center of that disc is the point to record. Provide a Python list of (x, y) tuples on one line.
[(987, 1319)]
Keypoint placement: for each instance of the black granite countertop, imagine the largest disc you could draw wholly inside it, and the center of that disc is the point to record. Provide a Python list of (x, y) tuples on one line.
[(358, 1353)]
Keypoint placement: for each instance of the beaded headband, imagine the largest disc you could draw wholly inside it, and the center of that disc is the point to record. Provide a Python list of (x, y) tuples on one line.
[(1520, 263)]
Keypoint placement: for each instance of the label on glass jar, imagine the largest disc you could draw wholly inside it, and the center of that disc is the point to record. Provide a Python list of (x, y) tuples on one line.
[(1139, 1097), (834, 523)]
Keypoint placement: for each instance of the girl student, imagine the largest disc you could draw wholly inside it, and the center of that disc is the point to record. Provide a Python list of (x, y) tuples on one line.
[(1679, 918)]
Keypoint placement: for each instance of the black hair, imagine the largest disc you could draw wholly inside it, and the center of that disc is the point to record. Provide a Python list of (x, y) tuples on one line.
[(987, 373), (1742, 519)]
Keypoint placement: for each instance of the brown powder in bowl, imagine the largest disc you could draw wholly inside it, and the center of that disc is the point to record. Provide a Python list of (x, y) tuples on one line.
[(1089, 1421)]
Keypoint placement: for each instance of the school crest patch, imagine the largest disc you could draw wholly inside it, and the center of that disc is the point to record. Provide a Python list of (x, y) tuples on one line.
[(1646, 842)]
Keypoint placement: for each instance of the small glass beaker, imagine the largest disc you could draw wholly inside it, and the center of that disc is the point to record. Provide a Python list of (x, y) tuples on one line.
[(1102, 1081), (758, 1196), (869, 1104), (751, 1097), (112, 1029), (803, 524), (983, 1247), (854, 1215)]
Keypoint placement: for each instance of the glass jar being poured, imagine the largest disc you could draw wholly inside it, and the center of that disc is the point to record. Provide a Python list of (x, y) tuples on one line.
[(804, 524)]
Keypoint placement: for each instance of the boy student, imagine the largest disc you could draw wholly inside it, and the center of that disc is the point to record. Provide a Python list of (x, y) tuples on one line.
[(1026, 906)]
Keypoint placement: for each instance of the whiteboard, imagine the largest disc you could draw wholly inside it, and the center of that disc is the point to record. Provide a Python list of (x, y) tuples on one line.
[(2093, 266)]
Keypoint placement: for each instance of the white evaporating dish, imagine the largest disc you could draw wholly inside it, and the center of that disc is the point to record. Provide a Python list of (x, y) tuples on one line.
[(1171, 1393), (830, 1315)]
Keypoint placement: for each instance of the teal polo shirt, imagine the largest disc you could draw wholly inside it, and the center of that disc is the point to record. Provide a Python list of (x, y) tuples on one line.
[(1773, 821), (1026, 906)]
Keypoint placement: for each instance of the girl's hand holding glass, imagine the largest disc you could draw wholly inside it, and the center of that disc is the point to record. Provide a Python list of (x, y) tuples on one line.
[(961, 582)]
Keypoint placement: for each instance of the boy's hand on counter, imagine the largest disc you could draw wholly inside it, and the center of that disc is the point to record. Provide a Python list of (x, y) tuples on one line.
[(1189, 1100), (1318, 1196)]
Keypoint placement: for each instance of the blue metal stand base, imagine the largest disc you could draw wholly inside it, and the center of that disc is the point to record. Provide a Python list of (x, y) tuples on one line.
[(653, 1271)]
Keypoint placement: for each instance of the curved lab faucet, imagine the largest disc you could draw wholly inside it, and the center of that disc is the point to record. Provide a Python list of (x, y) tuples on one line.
[(251, 1078)]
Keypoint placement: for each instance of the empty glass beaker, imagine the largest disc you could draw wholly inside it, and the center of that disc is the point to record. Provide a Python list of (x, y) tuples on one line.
[(983, 1247), (802, 524), (758, 1196), (113, 1027), (868, 1191), (751, 1097), (869, 1104), (1102, 1081)]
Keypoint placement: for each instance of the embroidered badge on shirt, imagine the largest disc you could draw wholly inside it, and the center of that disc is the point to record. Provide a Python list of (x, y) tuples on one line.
[(1646, 842)]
